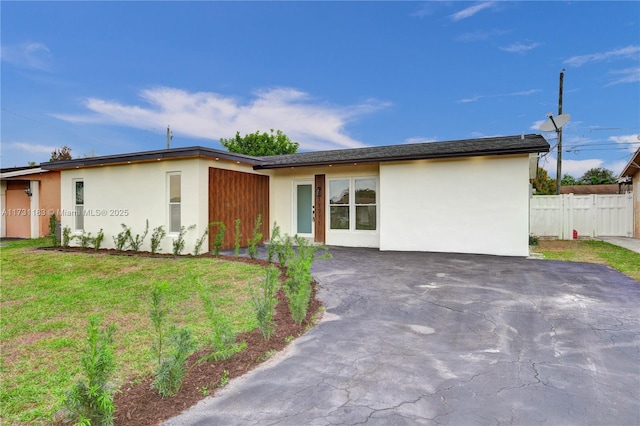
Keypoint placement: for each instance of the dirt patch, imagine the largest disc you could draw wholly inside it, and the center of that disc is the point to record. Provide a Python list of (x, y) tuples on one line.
[(138, 404)]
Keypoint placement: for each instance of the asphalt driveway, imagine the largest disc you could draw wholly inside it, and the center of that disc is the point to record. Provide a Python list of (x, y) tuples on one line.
[(423, 338)]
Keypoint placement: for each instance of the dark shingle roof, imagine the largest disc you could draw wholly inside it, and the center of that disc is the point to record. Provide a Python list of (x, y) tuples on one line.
[(451, 149), (163, 154), (462, 148)]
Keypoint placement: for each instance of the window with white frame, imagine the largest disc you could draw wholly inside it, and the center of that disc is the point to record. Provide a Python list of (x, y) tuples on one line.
[(78, 191), (175, 200), (353, 204)]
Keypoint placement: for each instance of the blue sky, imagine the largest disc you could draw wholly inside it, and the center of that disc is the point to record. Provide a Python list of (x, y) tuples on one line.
[(108, 77)]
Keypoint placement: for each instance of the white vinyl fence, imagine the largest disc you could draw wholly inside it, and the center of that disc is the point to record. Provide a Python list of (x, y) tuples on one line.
[(590, 215)]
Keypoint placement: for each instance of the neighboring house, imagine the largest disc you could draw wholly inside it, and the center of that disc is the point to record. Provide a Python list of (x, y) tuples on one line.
[(28, 198), (469, 196), (612, 188), (632, 170)]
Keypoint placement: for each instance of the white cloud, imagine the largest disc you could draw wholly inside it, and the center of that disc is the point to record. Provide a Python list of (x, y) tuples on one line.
[(476, 98), (629, 142), (472, 10), (32, 148), (208, 115), (519, 47), (575, 168), (27, 55), (629, 75), (624, 52)]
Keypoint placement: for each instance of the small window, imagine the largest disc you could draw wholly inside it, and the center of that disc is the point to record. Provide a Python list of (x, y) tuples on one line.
[(174, 202), (78, 189), (339, 204), (365, 203)]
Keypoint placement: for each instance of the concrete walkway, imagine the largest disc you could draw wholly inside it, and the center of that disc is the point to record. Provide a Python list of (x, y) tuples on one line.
[(632, 244), (430, 339)]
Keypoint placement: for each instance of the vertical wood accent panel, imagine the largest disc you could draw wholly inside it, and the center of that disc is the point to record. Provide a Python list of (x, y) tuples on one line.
[(237, 195), (319, 206)]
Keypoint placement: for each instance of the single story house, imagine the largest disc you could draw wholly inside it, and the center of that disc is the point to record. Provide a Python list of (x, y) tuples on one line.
[(466, 196), (28, 198), (632, 170)]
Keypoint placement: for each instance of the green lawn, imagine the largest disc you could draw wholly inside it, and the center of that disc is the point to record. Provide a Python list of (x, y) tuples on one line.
[(46, 298), (625, 261)]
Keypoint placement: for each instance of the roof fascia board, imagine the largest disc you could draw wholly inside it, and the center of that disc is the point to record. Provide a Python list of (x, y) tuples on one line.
[(633, 164), (148, 156), (22, 173)]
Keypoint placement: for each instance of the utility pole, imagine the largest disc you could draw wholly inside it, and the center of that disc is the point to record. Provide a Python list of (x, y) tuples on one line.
[(169, 137), (559, 132)]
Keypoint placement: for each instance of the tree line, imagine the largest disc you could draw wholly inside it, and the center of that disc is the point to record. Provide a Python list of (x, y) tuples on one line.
[(544, 185)]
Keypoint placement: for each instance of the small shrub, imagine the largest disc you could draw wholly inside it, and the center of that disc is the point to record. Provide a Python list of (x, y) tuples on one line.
[(200, 242), (284, 250), (298, 285), (156, 237), (90, 400), (219, 237), (263, 298), (178, 243), (158, 312), (171, 353), (136, 242), (66, 237), (274, 243), (53, 227), (256, 237), (237, 237), (97, 240), (170, 374), (533, 240), (121, 240), (85, 239), (223, 339)]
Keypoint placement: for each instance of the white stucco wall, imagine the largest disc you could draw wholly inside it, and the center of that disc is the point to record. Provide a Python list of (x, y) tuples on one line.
[(282, 208), (473, 205), (132, 193)]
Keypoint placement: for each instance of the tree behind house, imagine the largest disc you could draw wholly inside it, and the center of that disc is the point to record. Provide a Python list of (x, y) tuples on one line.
[(261, 144), (61, 154)]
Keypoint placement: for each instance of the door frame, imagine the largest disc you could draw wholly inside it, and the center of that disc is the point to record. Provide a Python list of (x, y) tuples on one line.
[(294, 213), (320, 217)]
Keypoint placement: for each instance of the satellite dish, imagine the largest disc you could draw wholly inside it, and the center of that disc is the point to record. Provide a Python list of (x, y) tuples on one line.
[(555, 124)]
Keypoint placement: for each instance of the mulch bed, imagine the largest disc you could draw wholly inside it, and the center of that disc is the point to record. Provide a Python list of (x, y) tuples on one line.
[(138, 404)]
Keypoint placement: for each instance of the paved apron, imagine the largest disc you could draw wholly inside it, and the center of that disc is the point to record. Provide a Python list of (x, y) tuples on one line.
[(423, 338)]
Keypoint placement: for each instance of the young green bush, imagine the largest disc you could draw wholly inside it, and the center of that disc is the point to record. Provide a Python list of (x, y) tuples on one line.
[(178, 243), (158, 312), (256, 237), (200, 242), (156, 237), (218, 240), (97, 240), (284, 250), (171, 353), (90, 400), (170, 374), (237, 237), (121, 240), (136, 242), (53, 227), (223, 339), (274, 243), (263, 298), (298, 285), (85, 239), (66, 237)]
